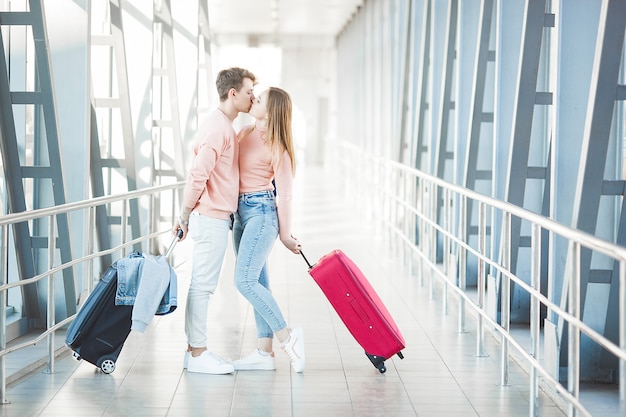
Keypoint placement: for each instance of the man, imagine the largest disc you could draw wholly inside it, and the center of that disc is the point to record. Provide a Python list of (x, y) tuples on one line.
[(210, 197)]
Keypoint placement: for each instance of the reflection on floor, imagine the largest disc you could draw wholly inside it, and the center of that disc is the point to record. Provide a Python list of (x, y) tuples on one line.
[(440, 375)]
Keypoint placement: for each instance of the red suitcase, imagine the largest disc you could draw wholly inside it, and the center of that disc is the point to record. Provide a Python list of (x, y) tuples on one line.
[(358, 306)]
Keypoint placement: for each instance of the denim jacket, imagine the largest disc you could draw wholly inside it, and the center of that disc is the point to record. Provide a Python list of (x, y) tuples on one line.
[(148, 283)]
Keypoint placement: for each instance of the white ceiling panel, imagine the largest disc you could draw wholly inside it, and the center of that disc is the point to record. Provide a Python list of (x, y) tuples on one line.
[(280, 17)]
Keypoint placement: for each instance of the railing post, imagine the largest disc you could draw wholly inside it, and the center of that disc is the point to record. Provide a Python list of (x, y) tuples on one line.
[(154, 214), (422, 232), (462, 259), (482, 231), (175, 205), (622, 328), (51, 296), (406, 229), (359, 195), (446, 247), (573, 346), (123, 223), (91, 225), (395, 179), (535, 280), (391, 203), (4, 245), (406, 222), (370, 200), (432, 214), (505, 291), (411, 226)]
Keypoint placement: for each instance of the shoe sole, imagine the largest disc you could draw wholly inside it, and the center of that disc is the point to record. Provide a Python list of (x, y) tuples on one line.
[(255, 368), (210, 372)]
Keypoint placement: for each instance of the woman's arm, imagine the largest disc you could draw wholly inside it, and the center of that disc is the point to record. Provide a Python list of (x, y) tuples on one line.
[(283, 175)]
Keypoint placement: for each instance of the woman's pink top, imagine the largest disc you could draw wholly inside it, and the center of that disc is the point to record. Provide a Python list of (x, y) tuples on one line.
[(256, 172)]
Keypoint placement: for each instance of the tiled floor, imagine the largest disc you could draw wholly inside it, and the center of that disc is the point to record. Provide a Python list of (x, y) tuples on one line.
[(440, 375)]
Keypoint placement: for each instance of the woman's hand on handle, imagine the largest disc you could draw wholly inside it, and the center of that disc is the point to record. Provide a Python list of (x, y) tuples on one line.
[(292, 244)]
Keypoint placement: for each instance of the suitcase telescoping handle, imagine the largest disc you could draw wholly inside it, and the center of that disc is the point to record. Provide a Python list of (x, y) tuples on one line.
[(179, 234), (306, 260)]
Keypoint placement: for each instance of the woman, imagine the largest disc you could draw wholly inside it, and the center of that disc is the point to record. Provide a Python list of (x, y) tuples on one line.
[(266, 154)]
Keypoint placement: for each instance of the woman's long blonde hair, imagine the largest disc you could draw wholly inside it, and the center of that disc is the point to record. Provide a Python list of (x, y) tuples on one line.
[(279, 135)]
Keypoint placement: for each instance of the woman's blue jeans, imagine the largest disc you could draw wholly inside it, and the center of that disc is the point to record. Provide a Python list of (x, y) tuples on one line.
[(254, 233)]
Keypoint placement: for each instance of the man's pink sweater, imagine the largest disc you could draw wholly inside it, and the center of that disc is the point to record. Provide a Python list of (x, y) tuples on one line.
[(212, 186)]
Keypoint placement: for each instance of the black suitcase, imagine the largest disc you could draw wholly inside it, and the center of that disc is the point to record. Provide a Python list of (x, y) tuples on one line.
[(101, 327)]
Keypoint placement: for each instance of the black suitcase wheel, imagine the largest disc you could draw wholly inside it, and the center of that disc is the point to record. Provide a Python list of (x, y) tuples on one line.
[(107, 366), (378, 362)]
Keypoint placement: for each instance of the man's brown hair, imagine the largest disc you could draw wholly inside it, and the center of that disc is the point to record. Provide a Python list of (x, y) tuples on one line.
[(231, 78)]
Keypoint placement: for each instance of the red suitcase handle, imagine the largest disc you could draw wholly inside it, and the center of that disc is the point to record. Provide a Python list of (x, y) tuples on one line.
[(306, 260)]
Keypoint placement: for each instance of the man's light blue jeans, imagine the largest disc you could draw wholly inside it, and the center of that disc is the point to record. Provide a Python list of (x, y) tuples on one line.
[(254, 234), (210, 237)]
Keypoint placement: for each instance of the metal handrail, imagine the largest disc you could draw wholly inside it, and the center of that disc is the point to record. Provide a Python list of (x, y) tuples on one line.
[(85, 258), (12, 218), (51, 212), (386, 179)]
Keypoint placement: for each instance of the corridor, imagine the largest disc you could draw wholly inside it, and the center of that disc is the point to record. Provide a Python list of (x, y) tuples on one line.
[(440, 376)]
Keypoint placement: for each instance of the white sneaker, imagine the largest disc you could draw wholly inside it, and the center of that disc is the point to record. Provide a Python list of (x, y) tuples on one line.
[(209, 363), (255, 362), (294, 348)]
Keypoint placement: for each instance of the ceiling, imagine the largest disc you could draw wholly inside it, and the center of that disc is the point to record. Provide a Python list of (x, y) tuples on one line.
[(280, 17)]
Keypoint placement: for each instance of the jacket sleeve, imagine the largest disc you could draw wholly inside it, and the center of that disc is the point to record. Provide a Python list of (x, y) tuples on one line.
[(155, 278)]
